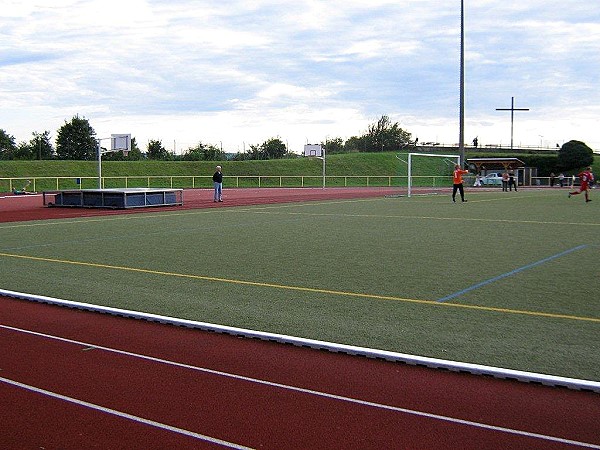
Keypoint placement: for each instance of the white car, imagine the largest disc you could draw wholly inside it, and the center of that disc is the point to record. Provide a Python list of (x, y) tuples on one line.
[(492, 179)]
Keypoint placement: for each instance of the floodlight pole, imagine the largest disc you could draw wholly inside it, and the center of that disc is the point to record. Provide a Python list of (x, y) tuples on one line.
[(512, 110), (461, 132)]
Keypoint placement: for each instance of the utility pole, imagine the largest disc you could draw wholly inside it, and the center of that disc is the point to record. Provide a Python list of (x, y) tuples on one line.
[(461, 126), (512, 110)]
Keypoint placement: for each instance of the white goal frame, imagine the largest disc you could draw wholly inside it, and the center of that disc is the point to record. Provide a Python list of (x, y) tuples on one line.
[(410, 155)]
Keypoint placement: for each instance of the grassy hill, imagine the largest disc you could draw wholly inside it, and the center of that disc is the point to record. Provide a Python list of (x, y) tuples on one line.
[(346, 164), (385, 164)]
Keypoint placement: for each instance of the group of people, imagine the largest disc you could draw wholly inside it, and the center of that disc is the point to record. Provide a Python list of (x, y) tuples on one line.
[(508, 182), (561, 179)]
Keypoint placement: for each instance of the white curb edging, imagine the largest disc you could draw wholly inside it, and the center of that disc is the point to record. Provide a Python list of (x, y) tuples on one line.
[(496, 372)]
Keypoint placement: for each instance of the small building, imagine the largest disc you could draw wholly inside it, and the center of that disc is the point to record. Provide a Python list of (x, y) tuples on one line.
[(485, 165)]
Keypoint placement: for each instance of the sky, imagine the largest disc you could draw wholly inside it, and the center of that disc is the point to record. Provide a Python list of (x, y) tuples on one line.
[(236, 73)]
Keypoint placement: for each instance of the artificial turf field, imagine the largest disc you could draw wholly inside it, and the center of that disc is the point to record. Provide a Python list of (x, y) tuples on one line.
[(507, 279)]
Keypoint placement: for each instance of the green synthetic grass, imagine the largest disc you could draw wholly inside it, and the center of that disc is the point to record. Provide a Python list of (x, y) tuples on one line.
[(360, 272)]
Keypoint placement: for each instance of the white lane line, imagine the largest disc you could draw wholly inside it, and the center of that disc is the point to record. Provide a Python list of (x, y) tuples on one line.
[(123, 415), (316, 393)]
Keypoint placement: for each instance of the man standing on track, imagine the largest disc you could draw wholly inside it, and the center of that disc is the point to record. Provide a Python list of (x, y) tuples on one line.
[(505, 181), (458, 183), (586, 178), (218, 183), (512, 181)]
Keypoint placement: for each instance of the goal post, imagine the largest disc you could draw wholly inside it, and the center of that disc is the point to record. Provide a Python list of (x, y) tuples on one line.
[(449, 160)]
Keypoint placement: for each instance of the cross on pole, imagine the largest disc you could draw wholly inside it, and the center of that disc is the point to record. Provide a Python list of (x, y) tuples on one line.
[(512, 110)]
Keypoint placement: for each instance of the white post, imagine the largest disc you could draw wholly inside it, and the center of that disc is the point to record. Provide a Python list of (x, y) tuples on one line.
[(410, 155), (323, 167), (409, 173), (113, 148), (99, 149)]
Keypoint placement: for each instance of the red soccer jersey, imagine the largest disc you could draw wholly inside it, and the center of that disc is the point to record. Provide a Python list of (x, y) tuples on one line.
[(586, 176), (458, 173)]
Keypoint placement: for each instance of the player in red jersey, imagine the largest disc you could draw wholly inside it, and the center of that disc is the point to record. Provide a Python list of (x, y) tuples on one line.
[(586, 178), (458, 183)]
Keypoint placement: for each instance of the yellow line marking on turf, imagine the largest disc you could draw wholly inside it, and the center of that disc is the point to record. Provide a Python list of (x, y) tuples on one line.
[(303, 289)]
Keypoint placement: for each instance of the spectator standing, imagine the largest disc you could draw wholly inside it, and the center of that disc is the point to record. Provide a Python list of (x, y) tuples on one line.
[(218, 184), (512, 181), (505, 181)]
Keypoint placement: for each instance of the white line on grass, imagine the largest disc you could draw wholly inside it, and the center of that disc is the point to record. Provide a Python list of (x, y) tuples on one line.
[(426, 218), (280, 386)]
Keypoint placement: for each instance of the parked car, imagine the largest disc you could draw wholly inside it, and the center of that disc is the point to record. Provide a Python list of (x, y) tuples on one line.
[(493, 178)]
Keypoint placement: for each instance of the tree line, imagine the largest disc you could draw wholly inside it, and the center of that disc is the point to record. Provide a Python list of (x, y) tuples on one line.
[(77, 140)]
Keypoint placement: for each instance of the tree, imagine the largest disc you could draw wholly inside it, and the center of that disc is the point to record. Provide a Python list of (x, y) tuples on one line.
[(156, 150), (255, 152), (40, 145), (76, 140), (574, 155), (335, 145), (194, 153), (135, 154), (203, 152), (386, 136), (24, 151), (357, 144), (273, 148), (7, 145)]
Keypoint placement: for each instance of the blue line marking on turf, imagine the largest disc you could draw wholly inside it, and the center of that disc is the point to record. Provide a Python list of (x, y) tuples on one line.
[(508, 274)]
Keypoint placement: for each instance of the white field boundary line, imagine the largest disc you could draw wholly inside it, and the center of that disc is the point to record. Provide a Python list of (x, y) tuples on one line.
[(326, 395), (123, 415), (476, 369)]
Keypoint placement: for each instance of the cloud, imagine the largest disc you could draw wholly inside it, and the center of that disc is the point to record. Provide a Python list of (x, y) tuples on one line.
[(191, 70)]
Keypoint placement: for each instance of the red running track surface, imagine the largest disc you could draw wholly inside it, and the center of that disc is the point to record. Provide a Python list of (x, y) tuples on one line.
[(251, 393), (31, 207)]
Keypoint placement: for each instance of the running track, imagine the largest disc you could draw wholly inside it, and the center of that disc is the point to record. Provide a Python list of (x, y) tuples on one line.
[(71, 379)]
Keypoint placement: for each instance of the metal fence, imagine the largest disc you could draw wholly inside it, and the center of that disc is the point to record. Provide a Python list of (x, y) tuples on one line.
[(39, 184), (199, 182)]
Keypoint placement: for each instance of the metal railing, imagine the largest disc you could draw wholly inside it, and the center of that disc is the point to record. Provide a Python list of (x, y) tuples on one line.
[(200, 182), (39, 184)]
